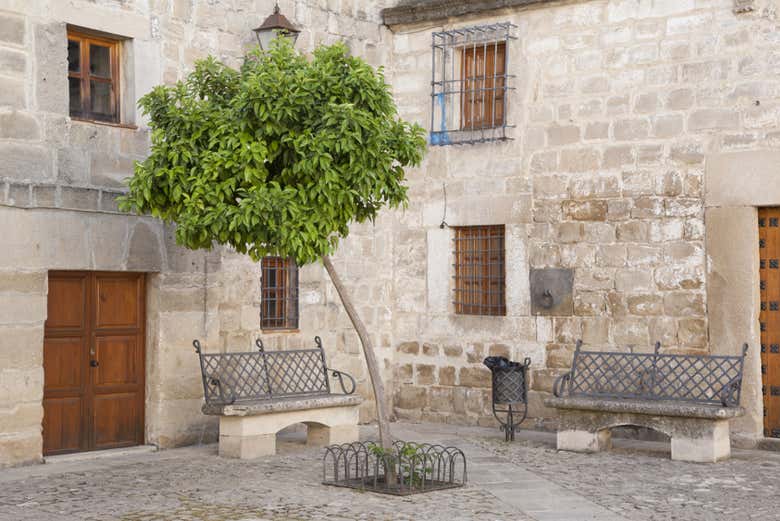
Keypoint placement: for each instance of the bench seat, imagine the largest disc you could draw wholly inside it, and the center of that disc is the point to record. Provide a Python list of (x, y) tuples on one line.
[(248, 430), (698, 432), (647, 407)]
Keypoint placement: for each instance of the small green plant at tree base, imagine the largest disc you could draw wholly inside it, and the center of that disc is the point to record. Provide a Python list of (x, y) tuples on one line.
[(411, 460), (278, 158)]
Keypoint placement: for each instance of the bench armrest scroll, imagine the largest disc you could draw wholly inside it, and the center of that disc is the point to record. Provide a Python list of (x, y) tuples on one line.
[(561, 383), (226, 396), (729, 395), (338, 375)]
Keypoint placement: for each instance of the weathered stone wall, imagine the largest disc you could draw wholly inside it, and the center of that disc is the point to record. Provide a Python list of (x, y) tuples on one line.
[(617, 105), (58, 183)]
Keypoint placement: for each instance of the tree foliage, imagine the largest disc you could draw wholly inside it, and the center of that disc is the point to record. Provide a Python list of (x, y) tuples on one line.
[(277, 158)]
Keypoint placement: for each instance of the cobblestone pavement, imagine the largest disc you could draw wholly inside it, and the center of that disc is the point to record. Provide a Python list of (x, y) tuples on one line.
[(522, 481)]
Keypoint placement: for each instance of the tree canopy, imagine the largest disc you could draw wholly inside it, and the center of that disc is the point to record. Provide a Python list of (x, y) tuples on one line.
[(277, 158)]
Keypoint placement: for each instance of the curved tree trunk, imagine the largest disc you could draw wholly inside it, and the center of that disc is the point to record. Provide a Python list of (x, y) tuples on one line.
[(368, 350)]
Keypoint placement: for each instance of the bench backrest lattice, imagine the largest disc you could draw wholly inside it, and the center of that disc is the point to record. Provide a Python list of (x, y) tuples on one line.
[(705, 379), (230, 378)]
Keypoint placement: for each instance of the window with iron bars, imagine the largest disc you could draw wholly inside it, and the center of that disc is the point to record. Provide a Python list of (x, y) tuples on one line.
[(279, 293), (470, 84), (480, 271)]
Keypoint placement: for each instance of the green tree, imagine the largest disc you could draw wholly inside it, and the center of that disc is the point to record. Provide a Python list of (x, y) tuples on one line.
[(277, 158)]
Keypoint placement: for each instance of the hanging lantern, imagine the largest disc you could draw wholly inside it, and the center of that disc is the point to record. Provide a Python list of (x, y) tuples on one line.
[(275, 25)]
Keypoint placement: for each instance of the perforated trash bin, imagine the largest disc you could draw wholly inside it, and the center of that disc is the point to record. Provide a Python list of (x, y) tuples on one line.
[(510, 392)]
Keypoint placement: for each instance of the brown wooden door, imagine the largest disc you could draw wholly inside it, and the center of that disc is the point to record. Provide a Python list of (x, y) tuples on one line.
[(769, 318), (93, 361)]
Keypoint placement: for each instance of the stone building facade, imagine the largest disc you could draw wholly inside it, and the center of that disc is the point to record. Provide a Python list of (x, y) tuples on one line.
[(643, 138), (59, 179), (640, 130)]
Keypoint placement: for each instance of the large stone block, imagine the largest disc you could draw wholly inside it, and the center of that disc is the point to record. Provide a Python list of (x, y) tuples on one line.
[(72, 165), (109, 234), (632, 281), (425, 374), (12, 92), (17, 309), (447, 376), (618, 156), (21, 448), (25, 416), (20, 385), (12, 29), (713, 119), (21, 161), (109, 169), (586, 210), (13, 63), (23, 282), (631, 129), (692, 332), (410, 397), (631, 332), (684, 304), (580, 160), (21, 347), (595, 330), (51, 65), (621, 10), (650, 304), (18, 194), (474, 377), (562, 135), (19, 125), (79, 198), (145, 250), (410, 348)]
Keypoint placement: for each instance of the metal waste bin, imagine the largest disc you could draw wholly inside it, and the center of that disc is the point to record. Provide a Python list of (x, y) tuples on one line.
[(510, 392)]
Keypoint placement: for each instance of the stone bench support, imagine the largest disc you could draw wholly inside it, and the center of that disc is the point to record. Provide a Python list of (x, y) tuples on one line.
[(248, 430), (699, 433)]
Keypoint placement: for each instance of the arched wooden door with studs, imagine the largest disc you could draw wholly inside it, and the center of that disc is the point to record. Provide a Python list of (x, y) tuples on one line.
[(93, 361), (769, 318)]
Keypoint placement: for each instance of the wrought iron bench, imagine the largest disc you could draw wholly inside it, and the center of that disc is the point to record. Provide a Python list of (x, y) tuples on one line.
[(258, 393), (690, 398)]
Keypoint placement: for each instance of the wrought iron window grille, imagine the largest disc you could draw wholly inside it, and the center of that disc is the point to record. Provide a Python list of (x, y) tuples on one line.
[(480, 271), (279, 294), (470, 84)]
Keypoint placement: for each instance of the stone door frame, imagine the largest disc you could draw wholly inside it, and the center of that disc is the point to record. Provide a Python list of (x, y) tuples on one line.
[(736, 184)]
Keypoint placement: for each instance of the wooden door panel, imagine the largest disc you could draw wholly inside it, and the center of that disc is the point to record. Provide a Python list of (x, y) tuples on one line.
[(63, 363), (66, 308), (62, 425), (116, 420), (117, 302), (769, 317), (116, 357), (93, 361)]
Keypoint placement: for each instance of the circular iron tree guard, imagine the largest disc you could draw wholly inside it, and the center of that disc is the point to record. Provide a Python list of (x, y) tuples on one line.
[(418, 467)]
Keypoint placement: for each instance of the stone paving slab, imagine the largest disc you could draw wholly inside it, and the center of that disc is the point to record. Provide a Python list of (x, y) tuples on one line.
[(537, 497)]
